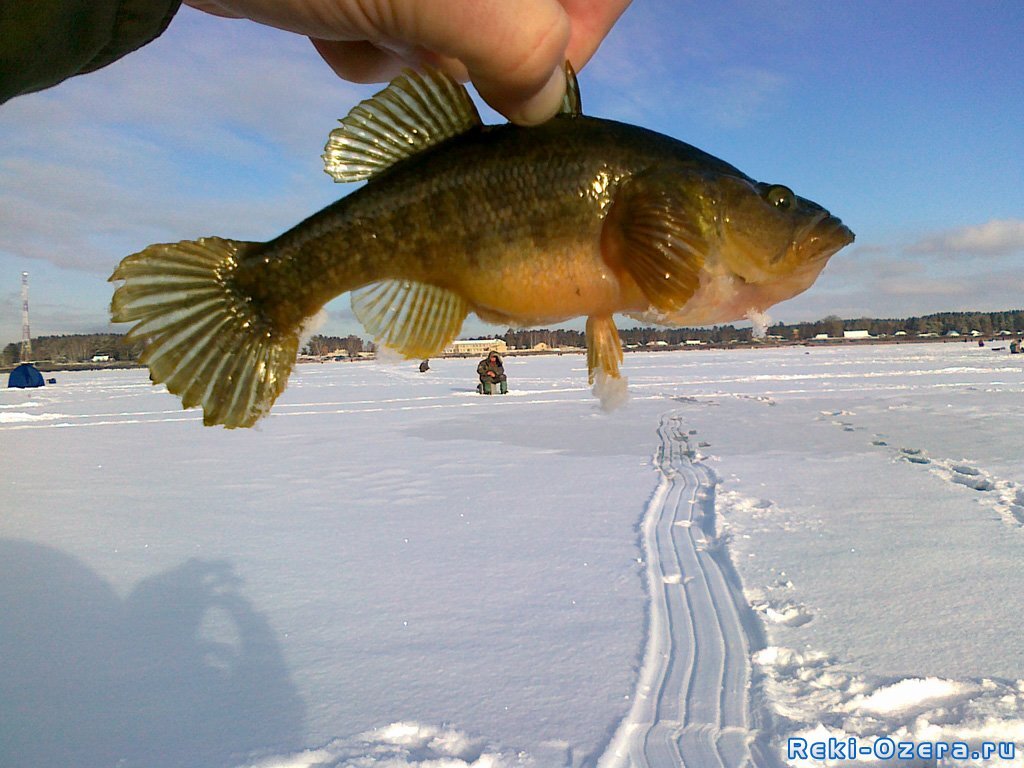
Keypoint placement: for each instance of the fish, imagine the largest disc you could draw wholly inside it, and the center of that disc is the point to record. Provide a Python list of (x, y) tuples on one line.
[(522, 226)]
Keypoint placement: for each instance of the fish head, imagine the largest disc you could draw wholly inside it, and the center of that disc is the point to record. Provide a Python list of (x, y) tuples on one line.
[(712, 247), (769, 235)]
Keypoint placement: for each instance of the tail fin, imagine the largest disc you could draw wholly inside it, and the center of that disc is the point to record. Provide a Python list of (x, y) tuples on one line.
[(203, 340)]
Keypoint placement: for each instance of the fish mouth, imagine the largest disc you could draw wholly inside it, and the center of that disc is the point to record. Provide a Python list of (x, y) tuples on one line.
[(825, 237)]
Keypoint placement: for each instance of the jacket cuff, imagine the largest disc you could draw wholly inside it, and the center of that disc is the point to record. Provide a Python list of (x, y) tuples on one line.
[(136, 23), (43, 42)]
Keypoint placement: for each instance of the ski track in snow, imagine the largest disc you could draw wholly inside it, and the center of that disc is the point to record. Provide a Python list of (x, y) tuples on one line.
[(692, 705)]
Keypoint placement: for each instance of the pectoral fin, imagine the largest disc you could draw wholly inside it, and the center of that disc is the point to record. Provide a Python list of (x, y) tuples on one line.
[(413, 318), (654, 232)]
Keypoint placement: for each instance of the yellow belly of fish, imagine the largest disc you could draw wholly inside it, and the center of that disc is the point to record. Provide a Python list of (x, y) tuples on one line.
[(559, 284)]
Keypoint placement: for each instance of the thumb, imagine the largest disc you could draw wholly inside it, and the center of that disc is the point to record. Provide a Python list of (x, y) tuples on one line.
[(513, 50)]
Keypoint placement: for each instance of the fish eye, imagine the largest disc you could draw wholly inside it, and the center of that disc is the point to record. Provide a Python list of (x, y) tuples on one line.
[(780, 197)]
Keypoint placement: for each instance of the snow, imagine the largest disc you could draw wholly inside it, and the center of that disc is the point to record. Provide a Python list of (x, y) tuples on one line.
[(613, 393), (392, 570), (13, 417)]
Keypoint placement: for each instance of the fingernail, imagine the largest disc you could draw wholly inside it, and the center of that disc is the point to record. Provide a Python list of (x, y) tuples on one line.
[(544, 104)]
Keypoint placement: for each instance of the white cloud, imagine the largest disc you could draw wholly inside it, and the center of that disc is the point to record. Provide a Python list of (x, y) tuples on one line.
[(997, 237), (900, 287)]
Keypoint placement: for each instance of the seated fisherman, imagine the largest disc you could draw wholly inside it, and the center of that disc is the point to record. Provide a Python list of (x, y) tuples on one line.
[(491, 372)]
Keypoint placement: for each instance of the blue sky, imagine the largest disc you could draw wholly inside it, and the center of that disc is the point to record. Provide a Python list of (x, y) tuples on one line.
[(904, 119)]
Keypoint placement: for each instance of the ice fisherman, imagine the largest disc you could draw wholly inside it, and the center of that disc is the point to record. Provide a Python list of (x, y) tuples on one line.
[(492, 372)]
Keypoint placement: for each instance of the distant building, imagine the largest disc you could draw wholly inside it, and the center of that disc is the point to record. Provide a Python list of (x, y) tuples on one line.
[(101, 358), (821, 337), (476, 347), (854, 335)]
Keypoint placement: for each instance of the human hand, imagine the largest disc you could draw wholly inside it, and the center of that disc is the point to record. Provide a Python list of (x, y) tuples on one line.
[(512, 50)]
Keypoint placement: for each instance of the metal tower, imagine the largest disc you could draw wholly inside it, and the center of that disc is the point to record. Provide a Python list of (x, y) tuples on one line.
[(26, 334)]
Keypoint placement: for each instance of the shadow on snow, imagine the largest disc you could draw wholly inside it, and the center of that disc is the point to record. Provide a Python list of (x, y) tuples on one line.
[(183, 672)]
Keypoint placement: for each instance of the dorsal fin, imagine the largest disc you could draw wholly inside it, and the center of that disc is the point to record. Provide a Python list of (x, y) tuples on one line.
[(416, 111), (571, 104)]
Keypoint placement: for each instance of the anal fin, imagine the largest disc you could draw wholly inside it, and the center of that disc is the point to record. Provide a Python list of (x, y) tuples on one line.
[(415, 319)]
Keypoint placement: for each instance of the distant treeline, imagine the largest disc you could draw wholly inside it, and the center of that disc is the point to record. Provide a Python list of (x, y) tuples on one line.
[(76, 348), (321, 345), (985, 323), (84, 347), (79, 348)]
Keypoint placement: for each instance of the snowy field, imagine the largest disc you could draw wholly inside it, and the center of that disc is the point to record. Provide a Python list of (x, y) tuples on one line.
[(394, 571)]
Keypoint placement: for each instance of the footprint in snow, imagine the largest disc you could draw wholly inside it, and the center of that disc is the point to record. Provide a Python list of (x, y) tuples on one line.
[(963, 474), (1005, 497), (966, 469), (914, 456)]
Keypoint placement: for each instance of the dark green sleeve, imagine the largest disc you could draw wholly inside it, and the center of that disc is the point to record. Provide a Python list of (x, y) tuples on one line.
[(43, 42)]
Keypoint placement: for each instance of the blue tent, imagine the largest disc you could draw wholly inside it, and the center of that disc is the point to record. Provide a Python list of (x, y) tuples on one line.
[(25, 375)]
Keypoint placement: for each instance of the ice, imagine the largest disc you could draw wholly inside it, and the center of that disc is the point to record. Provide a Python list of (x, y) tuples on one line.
[(393, 570)]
